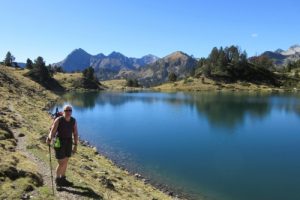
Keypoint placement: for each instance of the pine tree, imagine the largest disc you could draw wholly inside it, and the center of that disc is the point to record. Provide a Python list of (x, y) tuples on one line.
[(9, 58), (29, 64), (89, 74), (172, 77), (296, 74), (39, 71), (214, 56)]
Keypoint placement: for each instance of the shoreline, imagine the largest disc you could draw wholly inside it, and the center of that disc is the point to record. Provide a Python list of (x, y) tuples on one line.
[(163, 187), (170, 191)]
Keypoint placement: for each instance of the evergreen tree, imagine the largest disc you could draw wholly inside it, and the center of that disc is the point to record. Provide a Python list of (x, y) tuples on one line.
[(172, 77), (39, 71), (214, 56), (89, 73), (29, 64), (58, 69), (9, 59), (296, 74), (132, 83)]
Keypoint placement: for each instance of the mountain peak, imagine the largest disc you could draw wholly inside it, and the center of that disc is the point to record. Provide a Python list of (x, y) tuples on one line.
[(292, 50), (295, 46), (176, 55), (115, 54), (150, 56), (282, 57), (79, 51), (280, 51)]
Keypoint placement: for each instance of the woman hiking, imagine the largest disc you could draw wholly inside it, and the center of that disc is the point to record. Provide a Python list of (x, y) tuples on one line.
[(63, 128)]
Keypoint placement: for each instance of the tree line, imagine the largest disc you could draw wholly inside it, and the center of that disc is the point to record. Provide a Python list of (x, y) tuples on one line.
[(42, 73)]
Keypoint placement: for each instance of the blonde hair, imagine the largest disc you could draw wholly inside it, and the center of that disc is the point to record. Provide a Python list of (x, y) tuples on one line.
[(67, 107)]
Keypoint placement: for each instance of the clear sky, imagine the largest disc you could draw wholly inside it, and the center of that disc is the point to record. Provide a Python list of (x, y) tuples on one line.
[(52, 29)]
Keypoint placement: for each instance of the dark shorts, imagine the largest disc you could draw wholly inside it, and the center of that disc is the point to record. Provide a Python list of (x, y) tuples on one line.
[(65, 149)]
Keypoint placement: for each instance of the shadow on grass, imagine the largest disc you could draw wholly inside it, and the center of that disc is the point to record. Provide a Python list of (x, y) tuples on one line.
[(81, 191)]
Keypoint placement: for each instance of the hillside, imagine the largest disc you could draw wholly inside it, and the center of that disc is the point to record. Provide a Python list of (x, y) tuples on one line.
[(206, 84), (24, 170), (74, 81), (178, 62)]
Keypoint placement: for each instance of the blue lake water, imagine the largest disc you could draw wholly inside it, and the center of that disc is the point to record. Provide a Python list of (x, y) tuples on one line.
[(229, 146)]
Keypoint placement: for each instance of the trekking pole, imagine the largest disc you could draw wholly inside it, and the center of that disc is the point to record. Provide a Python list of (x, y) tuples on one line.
[(51, 169)]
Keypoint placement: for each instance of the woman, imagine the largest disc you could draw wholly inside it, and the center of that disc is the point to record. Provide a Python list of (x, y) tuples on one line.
[(62, 130)]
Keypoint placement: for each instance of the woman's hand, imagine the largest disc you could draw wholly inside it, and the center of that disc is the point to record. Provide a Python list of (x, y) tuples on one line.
[(74, 149), (48, 141)]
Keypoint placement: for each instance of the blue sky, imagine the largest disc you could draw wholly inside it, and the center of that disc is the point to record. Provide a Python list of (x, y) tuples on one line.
[(53, 29)]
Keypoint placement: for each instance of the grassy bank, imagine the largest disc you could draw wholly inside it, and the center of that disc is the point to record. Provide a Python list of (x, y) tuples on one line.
[(205, 84), (24, 171)]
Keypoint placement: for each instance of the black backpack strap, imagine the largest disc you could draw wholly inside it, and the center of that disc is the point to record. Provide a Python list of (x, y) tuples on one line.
[(59, 122)]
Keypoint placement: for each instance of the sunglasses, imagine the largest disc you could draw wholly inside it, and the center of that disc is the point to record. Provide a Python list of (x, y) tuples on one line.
[(68, 110)]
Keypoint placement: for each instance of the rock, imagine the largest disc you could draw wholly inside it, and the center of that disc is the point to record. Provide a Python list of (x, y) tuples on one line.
[(145, 180), (25, 196), (29, 188), (84, 143), (21, 135), (95, 176), (11, 149), (170, 193), (85, 167), (107, 183), (95, 151), (137, 175)]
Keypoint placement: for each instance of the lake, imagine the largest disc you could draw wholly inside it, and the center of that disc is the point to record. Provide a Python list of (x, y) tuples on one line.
[(213, 145)]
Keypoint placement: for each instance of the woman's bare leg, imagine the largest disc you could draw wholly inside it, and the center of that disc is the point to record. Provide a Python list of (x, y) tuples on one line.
[(59, 168), (64, 168)]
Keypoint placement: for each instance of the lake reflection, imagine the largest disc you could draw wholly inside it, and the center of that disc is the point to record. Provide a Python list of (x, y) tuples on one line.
[(214, 145)]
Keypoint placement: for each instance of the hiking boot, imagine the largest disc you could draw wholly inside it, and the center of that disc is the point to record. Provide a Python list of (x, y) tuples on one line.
[(65, 182), (58, 182)]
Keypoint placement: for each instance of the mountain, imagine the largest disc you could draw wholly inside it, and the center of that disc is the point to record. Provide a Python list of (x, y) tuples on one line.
[(178, 62), (77, 60), (292, 50), (281, 57), (106, 67)]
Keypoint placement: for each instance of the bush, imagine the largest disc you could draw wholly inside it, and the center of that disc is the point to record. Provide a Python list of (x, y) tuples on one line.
[(296, 74), (132, 83), (172, 77)]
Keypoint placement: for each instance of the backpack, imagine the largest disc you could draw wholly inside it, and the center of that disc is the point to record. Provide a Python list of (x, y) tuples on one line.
[(55, 115)]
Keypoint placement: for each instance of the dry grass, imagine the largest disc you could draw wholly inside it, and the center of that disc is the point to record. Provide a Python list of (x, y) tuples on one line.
[(118, 85), (67, 80), (23, 107), (204, 84)]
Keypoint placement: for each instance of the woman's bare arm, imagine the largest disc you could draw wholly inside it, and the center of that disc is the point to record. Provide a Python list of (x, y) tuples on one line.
[(75, 134), (53, 129)]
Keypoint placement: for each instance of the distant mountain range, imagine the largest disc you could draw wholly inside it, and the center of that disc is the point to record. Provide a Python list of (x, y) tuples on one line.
[(149, 69), (79, 59), (281, 57)]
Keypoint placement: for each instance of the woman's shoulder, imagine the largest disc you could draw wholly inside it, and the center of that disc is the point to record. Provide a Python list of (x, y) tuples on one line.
[(73, 119)]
